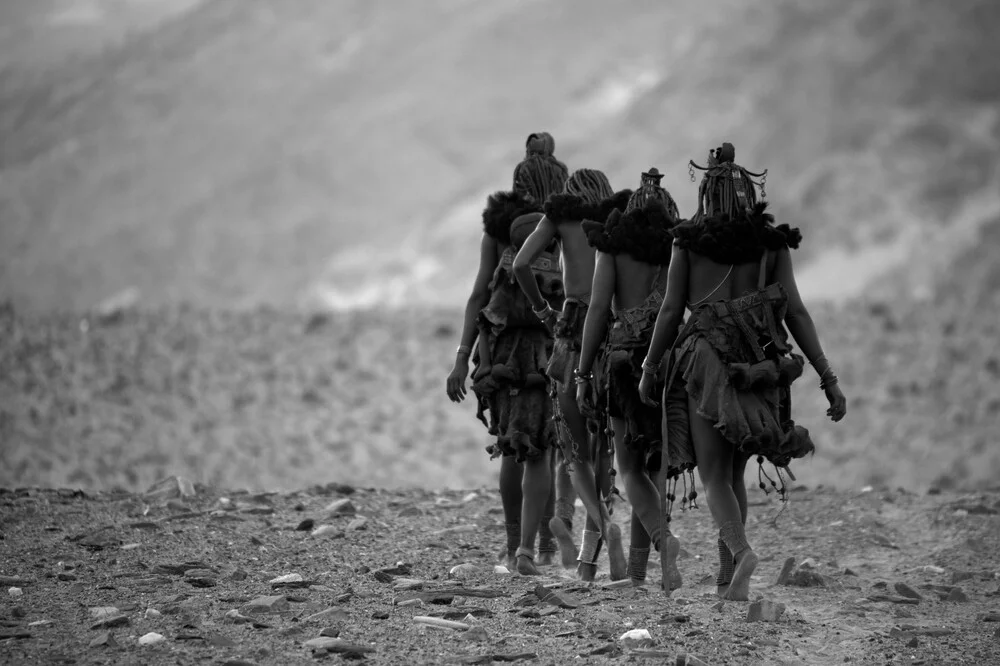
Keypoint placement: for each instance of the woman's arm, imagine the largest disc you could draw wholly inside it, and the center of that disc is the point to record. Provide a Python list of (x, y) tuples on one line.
[(800, 323), (668, 321), (595, 327), (478, 299), (534, 246)]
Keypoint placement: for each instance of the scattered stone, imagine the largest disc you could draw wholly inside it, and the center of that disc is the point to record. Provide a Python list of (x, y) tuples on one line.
[(15, 592), (957, 595), (892, 599), (850, 572), (65, 577), (266, 605), (469, 497), (409, 512), (477, 634), (636, 638), (238, 575), (806, 576), (907, 591), (111, 621), (15, 580), (327, 530), (113, 308), (913, 642), (786, 571), (462, 570), (104, 639), (359, 523), (903, 613), (40, 623), (152, 638), (332, 613), (327, 645), (765, 610), (102, 612), (235, 617), (305, 525), (172, 487), (439, 622), (411, 602), (550, 597), (341, 507), (287, 578), (959, 576), (220, 641), (331, 632), (501, 570), (153, 614), (403, 584), (380, 615)]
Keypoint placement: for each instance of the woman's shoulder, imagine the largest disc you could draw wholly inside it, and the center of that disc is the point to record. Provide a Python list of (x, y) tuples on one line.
[(735, 240)]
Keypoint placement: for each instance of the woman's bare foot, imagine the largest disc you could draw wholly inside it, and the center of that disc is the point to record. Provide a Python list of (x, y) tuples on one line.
[(669, 551), (586, 571), (526, 565), (722, 590), (567, 549), (616, 552), (739, 588)]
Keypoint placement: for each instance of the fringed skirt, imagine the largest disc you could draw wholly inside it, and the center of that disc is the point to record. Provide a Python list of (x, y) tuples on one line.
[(515, 393), (743, 393)]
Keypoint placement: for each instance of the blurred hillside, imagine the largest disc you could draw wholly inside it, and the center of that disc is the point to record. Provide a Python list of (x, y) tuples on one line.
[(239, 152)]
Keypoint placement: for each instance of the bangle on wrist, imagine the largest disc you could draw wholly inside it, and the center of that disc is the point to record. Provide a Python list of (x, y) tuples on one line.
[(465, 350), (582, 377), (649, 367)]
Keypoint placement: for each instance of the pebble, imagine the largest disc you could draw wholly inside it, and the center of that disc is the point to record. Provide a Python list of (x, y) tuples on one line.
[(765, 610), (341, 507), (152, 614), (100, 612), (501, 569), (359, 523), (287, 578), (636, 638), (464, 569), (152, 638), (957, 595), (907, 591), (104, 639), (327, 530), (15, 592), (266, 605)]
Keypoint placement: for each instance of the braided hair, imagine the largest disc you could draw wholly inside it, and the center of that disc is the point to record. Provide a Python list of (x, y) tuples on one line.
[(650, 190), (539, 174), (726, 188), (591, 185)]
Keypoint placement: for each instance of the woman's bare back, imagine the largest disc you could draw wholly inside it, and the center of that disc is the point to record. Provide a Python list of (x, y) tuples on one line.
[(634, 281), (711, 281)]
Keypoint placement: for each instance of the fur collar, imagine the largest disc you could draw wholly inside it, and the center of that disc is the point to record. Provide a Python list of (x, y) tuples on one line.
[(643, 233), (502, 208), (570, 208), (736, 241)]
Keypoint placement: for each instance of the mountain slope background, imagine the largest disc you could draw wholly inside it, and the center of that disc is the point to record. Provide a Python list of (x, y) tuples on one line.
[(239, 162)]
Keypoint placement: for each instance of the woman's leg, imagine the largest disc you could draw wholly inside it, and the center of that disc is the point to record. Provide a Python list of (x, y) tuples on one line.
[(715, 466), (536, 488), (511, 473), (726, 563), (561, 524), (585, 481)]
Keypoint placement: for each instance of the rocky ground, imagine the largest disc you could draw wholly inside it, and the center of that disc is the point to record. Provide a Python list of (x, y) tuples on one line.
[(188, 574)]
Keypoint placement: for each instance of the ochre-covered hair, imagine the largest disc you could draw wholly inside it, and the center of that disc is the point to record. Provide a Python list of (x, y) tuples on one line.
[(650, 190), (726, 188), (591, 185), (539, 174)]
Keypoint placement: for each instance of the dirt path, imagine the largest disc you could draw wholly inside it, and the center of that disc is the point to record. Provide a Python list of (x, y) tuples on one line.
[(91, 576)]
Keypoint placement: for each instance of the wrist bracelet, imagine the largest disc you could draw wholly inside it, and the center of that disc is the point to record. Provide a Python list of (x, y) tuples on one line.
[(464, 349), (826, 383), (544, 313), (582, 378), (649, 367)]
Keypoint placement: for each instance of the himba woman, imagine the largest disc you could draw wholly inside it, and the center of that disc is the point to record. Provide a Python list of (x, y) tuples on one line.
[(731, 363), (587, 196), (633, 251), (512, 354)]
